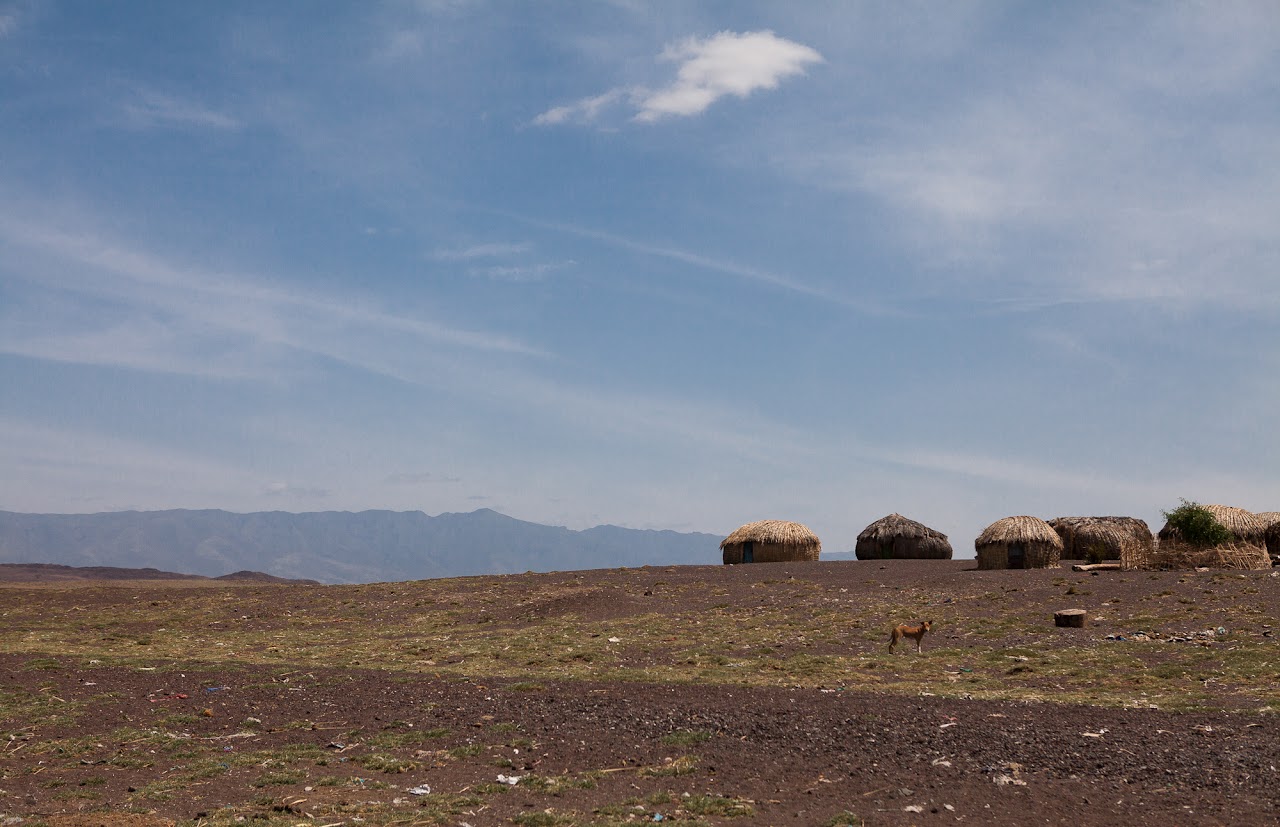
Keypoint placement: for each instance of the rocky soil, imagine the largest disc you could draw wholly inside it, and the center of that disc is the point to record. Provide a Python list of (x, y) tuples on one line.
[(87, 743)]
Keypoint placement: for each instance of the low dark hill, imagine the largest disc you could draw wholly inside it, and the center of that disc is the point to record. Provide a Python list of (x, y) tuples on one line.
[(55, 573), (337, 546)]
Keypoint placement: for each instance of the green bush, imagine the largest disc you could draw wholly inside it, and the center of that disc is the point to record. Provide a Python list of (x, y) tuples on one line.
[(1197, 526)]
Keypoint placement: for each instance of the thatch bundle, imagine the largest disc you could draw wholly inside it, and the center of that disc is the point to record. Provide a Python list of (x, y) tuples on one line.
[(1100, 538), (897, 538), (1018, 543), (771, 541), (1175, 555)]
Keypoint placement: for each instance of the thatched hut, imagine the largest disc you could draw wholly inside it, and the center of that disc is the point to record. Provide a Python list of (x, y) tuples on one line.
[(771, 541), (1271, 533), (1018, 543), (1102, 538), (897, 538), (1245, 526), (1248, 549)]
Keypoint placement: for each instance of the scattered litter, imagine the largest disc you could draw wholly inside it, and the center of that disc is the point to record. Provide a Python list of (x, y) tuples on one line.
[(179, 696), (948, 808), (657, 816), (1097, 734), (1012, 774), (422, 789), (615, 640), (940, 762), (215, 688), (509, 779), (913, 808), (1203, 638), (944, 726)]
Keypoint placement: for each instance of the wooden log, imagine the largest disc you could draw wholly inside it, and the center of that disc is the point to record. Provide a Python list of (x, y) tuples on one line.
[(1096, 566), (1070, 617)]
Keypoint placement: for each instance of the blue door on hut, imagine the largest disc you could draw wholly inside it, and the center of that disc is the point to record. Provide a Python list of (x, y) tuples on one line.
[(748, 552)]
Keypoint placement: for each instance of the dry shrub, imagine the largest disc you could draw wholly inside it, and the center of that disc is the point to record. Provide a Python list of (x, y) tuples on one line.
[(1175, 555)]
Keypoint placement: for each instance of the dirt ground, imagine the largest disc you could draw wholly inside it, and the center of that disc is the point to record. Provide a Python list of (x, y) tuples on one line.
[(228, 743)]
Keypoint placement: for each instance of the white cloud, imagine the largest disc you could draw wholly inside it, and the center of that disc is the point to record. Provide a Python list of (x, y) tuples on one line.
[(587, 109), (518, 273), (124, 306), (711, 68), (725, 64), (8, 24), (1084, 174), (495, 250), (401, 45), (154, 109), (284, 489), (747, 273)]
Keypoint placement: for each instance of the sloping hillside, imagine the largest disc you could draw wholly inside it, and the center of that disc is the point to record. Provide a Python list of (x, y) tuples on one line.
[(337, 546)]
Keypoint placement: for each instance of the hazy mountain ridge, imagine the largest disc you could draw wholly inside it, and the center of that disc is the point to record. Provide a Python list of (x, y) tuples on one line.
[(337, 546)]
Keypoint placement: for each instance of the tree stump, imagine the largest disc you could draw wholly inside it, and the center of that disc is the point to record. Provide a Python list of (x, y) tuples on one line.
[(1070, 617)]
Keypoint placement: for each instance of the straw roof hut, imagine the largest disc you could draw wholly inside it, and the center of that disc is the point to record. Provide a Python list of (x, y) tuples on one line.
[(1248, 549), (771, 541), (1247, 527), (1271, 522), (897, 538), (1018, 543), (1101, 538)]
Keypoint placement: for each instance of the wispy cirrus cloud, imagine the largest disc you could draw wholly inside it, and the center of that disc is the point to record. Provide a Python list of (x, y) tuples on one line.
[(475, 251), (757, 275), (512, 268), (289, 490), (152, 109), (1115, 172), (586, 109), (518, 272), (93, 299), (727, 63)]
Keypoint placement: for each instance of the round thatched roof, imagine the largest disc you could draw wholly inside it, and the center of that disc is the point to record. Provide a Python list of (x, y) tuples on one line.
[(896, 525), (773, 532), (1103, 528), (1081, 535), (1269, 518), (1019, 530), (897, 538), (1245, 525)]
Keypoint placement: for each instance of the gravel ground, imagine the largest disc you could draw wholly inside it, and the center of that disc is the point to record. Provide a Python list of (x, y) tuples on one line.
[(616, 753)]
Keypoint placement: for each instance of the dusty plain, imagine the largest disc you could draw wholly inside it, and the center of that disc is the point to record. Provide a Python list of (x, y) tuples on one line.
[(758, 694)]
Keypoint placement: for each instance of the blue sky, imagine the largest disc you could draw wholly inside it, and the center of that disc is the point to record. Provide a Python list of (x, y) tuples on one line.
[(661, 265)]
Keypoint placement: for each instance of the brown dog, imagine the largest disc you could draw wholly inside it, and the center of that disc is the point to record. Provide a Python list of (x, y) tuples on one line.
[(917, 632)]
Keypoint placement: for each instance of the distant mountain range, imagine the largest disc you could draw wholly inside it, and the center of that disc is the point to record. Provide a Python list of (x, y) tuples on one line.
[(337, 546)]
